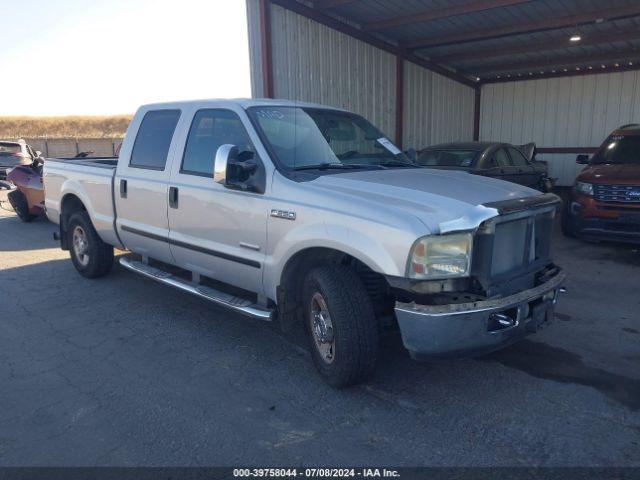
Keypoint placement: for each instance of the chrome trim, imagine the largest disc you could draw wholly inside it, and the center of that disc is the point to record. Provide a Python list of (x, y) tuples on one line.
[(483, 305), (250, 246), (223, 154), (237, 304), (284, 214)]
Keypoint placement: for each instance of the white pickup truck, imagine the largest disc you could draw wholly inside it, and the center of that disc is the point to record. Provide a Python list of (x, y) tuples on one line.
[(304, 213)]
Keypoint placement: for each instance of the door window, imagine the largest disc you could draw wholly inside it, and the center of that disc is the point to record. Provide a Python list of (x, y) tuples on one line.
[(151, 147), (517, 159), (500, 158), (210, 129)]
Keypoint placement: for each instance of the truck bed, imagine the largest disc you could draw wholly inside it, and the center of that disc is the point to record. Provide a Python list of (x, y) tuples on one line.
[(102, 162), (89, 179)]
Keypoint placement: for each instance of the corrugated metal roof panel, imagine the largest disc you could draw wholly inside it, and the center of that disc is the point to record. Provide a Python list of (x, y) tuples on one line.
[(362, 12)]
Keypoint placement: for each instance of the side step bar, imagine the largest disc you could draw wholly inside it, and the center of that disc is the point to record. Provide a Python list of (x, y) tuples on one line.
[(237, 304)]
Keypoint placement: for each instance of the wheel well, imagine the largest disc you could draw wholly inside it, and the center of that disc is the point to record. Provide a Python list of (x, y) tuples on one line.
[(291, 281), (70, 205)]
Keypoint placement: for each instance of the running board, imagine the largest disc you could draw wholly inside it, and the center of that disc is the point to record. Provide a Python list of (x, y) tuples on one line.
[(237, 304)]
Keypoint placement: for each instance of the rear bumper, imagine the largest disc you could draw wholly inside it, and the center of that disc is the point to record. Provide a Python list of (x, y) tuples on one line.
[(458, 330)]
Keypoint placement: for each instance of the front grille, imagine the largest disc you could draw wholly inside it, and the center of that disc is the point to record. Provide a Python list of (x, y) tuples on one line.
[(520, 243), (510, 249), (617, 193)]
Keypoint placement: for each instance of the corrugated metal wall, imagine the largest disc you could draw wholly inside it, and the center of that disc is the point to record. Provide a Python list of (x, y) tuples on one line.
[(255, 48), (315, 63), (436, 109), (560, 112)]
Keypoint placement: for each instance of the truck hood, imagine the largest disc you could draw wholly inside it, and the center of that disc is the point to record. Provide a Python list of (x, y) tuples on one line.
[(444, 200), (627, 174)]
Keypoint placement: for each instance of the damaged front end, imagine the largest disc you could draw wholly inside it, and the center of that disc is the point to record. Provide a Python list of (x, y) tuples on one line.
[(510, 291)]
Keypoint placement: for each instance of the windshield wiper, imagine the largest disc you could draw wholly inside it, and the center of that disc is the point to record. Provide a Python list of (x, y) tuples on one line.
[(398, 163), (338, 166)]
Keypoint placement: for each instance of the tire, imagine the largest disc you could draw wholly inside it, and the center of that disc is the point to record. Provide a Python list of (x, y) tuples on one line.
[(350, 356), (20, 205), (90, 255), (568, 229)]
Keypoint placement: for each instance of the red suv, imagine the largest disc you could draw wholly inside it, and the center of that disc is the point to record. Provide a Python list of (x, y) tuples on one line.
[(605, 200)]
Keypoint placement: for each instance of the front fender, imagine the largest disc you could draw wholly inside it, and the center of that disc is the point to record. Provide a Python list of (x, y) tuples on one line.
[(380, 247)]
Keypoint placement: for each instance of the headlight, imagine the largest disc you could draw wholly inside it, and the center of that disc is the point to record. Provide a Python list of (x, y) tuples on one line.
[(584, 188), (441, 256)]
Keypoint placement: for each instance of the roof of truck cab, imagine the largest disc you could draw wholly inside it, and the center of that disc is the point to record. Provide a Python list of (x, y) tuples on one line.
[(241, 102)]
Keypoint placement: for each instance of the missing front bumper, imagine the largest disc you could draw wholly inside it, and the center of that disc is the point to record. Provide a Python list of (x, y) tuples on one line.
[(469, 329)]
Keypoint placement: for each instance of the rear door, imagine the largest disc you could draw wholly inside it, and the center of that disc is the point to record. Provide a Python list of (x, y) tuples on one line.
[(500, 166), (525, 172), (142, 184)]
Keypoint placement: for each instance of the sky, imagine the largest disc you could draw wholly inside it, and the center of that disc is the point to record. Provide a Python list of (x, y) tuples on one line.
[(103, 57)]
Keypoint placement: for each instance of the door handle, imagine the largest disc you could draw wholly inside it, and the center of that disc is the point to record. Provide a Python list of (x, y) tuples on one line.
[(173, 197), (123, 188)]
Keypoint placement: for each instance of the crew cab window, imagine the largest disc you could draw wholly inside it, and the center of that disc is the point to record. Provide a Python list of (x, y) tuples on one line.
[(210, 129), (500, 158), (151, 148), (517, 159)]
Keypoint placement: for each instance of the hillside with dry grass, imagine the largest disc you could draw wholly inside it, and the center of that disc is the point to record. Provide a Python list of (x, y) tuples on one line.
[(64, 127)]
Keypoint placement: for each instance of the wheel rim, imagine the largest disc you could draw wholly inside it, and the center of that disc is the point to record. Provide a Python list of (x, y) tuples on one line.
[(322, 328), (80, 246)]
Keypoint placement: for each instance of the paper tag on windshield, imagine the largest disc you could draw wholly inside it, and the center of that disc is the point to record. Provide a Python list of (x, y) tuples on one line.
[(386, 143)]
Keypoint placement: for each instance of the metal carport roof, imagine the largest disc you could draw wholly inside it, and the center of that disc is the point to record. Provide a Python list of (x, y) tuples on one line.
[(486, 41)]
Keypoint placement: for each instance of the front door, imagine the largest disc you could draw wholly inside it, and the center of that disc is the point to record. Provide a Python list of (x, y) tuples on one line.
[(216, 231), (141, 186)]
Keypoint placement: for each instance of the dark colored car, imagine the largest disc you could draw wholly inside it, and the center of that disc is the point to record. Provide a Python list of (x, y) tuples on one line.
[(490, 159), (14, 153), (605, 199)]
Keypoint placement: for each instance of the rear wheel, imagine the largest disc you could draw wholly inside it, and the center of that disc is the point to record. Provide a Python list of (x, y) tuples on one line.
[(90, 255), (341, 325), (20, 205)]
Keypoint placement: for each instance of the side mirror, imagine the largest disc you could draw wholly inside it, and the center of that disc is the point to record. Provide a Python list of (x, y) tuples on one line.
[(225, 154), (238, 170), (582, 159)]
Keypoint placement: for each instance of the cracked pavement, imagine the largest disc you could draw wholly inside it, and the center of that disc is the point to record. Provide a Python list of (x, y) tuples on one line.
[(123, 371)]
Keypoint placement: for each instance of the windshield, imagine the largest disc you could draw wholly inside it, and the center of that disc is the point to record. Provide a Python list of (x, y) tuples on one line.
[(619, 149), (306, 138), (10, 148), (446, 158)]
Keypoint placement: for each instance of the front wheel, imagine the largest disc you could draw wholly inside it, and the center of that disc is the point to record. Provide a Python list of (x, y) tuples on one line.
[(341, 325), (90, 255)]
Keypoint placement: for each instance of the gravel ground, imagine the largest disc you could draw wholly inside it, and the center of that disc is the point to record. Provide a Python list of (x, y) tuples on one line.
[(122, 371)]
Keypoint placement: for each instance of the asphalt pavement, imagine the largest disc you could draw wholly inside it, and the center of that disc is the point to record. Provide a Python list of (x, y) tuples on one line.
[(122, 371)]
